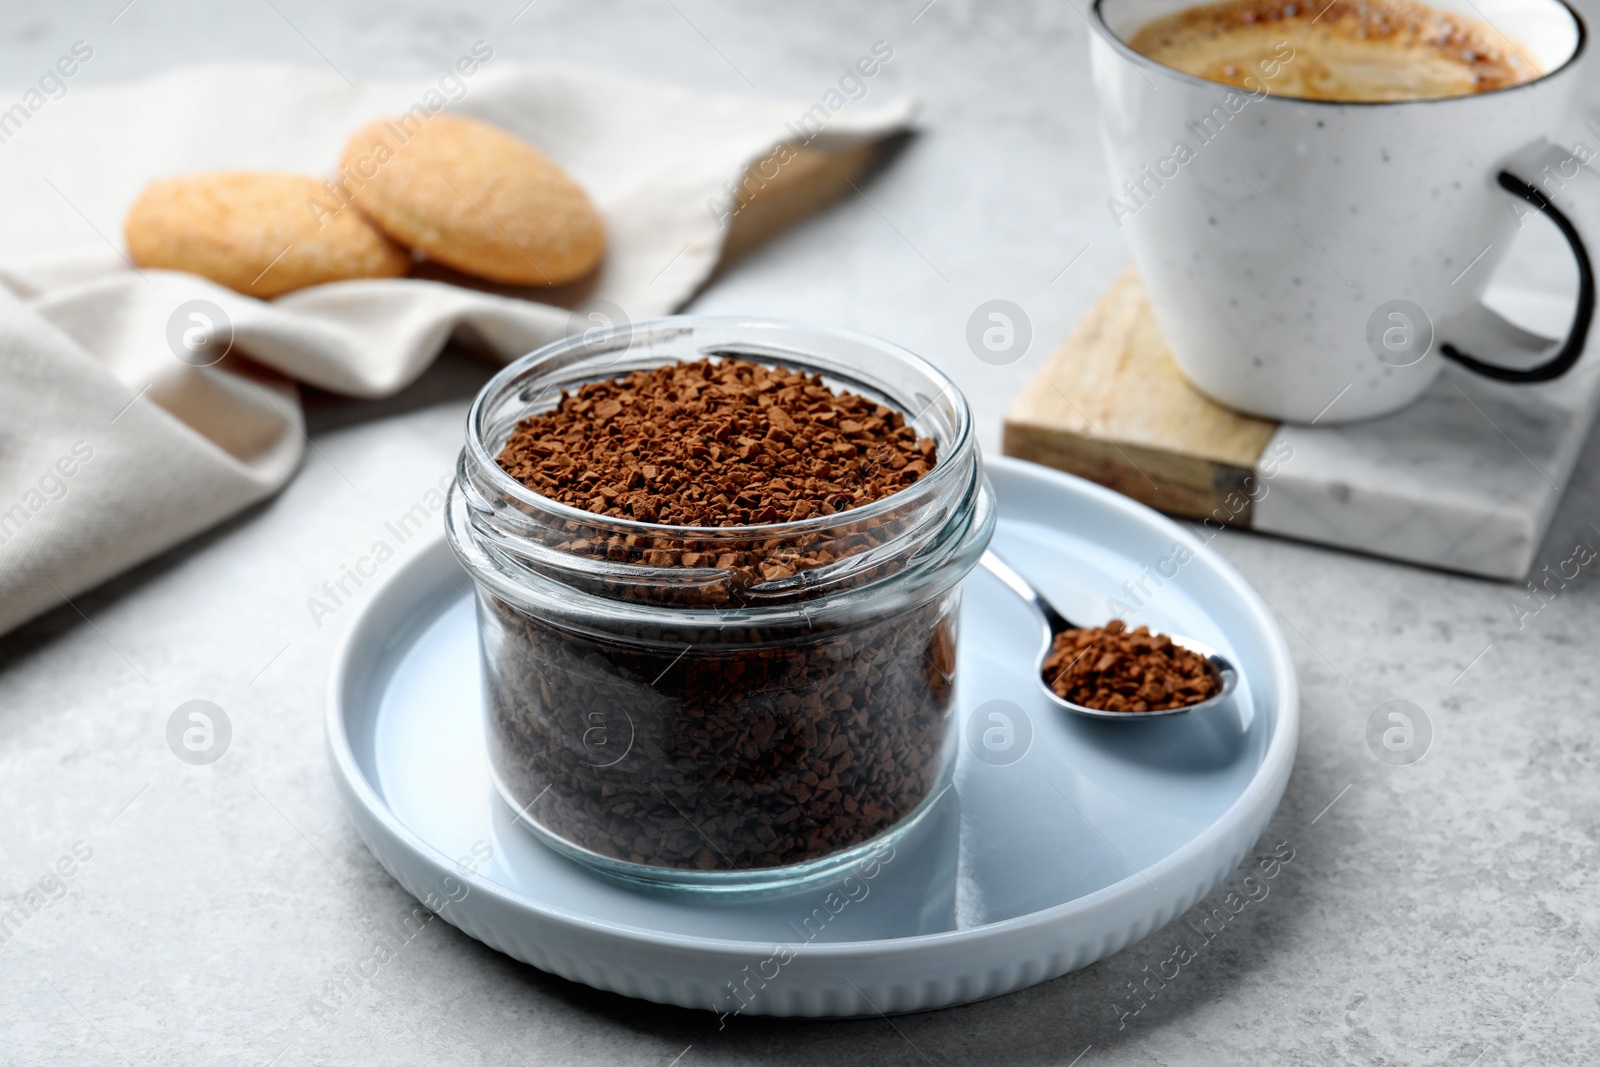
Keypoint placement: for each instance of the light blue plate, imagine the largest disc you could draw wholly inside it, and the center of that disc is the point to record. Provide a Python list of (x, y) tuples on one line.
[(1063, 839)]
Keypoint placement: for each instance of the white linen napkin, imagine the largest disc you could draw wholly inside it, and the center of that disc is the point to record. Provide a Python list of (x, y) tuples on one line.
[(113, 449)]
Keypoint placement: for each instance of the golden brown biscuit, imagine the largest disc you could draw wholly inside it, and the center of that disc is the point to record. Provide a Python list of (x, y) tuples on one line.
[(259, 233), (473, 197)]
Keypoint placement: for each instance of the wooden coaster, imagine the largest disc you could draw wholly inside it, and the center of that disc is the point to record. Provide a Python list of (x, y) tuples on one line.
[(1466, 478), (1111, 406)]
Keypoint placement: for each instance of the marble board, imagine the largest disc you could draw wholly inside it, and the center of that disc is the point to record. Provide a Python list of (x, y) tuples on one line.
[(1466, 479)]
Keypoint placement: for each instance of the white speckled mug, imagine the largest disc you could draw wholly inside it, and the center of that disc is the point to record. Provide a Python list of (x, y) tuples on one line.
[(1316, 262)]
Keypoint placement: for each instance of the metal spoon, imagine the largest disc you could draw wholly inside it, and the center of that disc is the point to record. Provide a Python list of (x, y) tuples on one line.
[(1222, 669)]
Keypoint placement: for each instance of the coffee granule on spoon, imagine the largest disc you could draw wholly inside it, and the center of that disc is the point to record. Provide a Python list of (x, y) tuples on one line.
[(730, 443), (1112, 668)]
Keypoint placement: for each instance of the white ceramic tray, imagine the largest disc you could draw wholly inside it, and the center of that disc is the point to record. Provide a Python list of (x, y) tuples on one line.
[(1076, 841)]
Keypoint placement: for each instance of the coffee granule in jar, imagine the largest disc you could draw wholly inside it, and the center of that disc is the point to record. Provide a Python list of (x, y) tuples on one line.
[(731, 443), (741, 747), (1112, 668)]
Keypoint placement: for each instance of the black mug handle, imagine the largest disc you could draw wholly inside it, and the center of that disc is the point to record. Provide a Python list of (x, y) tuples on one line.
[(1488, 329)]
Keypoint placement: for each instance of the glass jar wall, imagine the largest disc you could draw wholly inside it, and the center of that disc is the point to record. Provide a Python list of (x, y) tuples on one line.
[(720, 707)]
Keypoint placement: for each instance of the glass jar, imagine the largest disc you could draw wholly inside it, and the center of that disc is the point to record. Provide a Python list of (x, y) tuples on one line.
[(720, 708)]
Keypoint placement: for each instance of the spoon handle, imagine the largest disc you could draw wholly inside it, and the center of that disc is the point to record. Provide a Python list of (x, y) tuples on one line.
[(1024, 589)]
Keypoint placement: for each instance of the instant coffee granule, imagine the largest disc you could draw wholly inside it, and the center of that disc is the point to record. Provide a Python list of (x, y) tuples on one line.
[(755, 749), (1112, 668), (732, 747), (731, 443)]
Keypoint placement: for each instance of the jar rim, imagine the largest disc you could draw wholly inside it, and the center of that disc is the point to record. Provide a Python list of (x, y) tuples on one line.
[(596, 339)]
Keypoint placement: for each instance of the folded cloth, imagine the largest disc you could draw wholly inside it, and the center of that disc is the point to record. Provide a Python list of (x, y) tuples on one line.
[(118, 439)]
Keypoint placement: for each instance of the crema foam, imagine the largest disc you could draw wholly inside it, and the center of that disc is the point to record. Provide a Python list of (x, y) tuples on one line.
[(1348, 50)]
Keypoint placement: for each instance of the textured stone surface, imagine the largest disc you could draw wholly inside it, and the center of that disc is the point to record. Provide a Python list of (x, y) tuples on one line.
[(1432, 914)]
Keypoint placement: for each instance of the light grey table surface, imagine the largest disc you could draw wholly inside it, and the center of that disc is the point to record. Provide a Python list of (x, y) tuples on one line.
[(1441, 913)]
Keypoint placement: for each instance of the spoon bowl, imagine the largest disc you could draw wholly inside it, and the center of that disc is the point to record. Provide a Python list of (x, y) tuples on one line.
[(1223, 672)]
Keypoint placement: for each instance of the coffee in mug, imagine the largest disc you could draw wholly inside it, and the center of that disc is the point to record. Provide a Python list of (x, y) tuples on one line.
[(1358, 52)]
